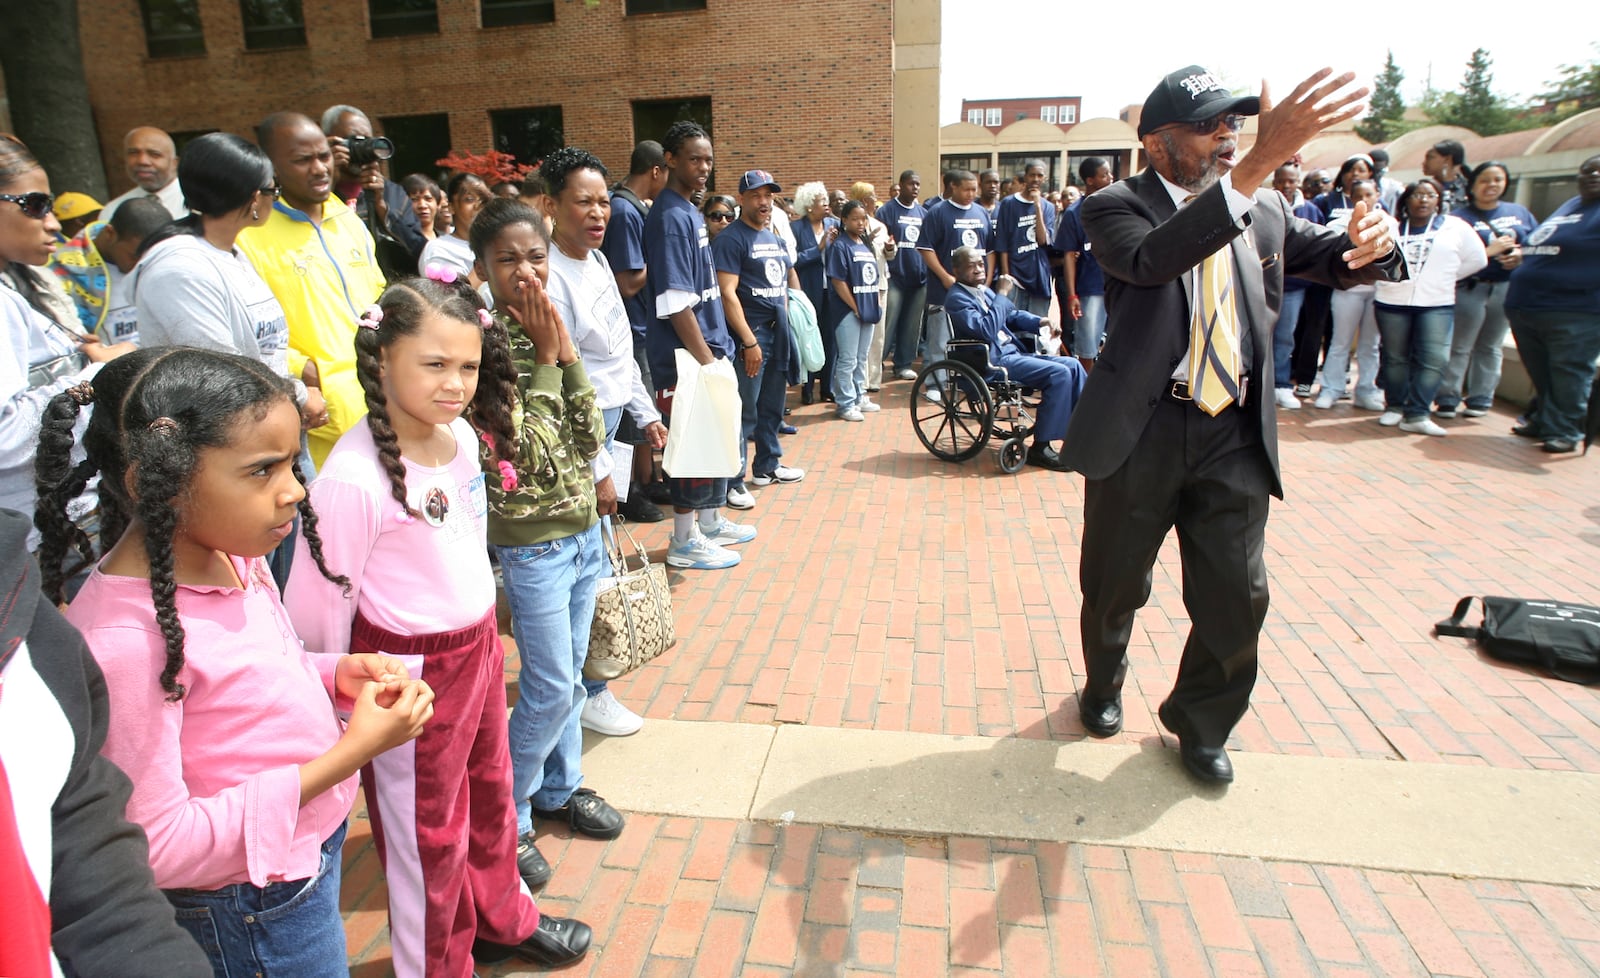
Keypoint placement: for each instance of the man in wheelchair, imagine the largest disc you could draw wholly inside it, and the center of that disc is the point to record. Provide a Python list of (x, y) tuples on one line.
[(978, 313)]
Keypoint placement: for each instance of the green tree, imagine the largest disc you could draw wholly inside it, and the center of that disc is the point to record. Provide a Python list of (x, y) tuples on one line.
[(1475, 106), (49, 95), (1385, 107), (1577, 88)]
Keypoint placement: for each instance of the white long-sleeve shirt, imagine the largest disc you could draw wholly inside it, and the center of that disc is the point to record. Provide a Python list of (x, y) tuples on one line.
[(1438, 254)]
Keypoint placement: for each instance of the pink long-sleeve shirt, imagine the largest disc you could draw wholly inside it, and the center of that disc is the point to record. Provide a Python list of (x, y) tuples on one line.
[(424, 576), (216, 775)]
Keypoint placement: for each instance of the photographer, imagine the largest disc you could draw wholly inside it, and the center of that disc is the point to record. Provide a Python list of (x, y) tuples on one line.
[(381, 204)]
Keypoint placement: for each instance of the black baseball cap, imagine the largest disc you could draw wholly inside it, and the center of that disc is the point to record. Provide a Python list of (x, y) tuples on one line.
[(1190, 95)]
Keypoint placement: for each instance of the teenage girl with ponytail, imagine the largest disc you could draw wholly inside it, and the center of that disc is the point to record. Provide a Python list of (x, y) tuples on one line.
[(408, 498), (242, 774)]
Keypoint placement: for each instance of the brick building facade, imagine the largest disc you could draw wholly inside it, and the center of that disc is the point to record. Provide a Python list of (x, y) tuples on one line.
[(994, 114), (798, 111)]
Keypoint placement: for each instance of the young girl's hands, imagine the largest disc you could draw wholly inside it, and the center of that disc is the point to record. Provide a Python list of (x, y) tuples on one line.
[(536, 314), (358, 668), (374, 729)]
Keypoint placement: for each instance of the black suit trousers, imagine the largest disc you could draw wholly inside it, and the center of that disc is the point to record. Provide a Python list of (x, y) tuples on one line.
[(1210, 478)]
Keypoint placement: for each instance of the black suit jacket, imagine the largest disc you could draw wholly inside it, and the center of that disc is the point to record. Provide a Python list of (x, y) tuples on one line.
[(1146, 247)]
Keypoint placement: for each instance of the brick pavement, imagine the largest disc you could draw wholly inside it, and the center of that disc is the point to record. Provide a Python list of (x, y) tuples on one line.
[(890, 591)]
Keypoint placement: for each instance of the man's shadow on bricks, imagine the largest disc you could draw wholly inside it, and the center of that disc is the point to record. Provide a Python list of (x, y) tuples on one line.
[(1025, 777)]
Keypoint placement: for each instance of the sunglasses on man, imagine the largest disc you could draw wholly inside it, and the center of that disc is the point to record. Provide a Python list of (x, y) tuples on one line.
[(1206, 127), (35, 205)]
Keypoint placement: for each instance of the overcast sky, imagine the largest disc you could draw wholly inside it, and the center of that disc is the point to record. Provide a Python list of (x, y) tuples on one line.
[(1111, 67)]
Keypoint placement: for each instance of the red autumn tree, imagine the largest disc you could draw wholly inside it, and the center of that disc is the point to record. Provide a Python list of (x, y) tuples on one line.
[(494, 166)]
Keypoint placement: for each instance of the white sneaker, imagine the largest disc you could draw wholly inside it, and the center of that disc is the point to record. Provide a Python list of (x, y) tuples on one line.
[(1286, 399), (868, 407), (851, 414), (1472, 412), (698, 553), (1391, 418), (1370, 402), (1326, 398), (725, 531), (1426, 426), (906, 373), (604, 715), (783, 473), (932, 394), (739, 498)]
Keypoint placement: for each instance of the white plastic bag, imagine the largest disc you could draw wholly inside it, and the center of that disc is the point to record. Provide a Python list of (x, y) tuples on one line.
[(703, 431)]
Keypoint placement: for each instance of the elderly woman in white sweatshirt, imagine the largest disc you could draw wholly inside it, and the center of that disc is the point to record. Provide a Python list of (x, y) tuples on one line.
[(1416, 316)]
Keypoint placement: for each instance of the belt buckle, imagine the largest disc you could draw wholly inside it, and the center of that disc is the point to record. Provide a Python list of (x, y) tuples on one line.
[(1173, 391)]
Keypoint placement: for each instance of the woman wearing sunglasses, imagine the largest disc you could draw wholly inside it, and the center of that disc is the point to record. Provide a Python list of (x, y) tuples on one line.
[(720, 211), (45, 352)]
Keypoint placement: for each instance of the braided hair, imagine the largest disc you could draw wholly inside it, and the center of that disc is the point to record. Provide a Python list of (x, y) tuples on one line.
[(158, 410), (497, 375), (401, 310)]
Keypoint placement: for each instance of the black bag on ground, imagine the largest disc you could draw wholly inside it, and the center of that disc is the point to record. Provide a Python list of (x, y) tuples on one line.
[(1561, 636)]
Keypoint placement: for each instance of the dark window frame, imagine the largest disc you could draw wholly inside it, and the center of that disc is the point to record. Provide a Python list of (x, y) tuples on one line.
[(635, 7), (179, 43), (554, 135), (291, 33), (398, 21), (515, 13)]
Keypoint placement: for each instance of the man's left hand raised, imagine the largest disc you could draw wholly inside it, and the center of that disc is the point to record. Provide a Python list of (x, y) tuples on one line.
[(1369, 232)]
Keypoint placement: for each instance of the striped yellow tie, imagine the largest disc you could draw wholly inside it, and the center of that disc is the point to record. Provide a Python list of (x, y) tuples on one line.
[(1214, 337)]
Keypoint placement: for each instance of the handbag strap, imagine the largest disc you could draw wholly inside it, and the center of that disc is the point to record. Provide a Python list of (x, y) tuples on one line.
[(619, 559), (1453, 625)]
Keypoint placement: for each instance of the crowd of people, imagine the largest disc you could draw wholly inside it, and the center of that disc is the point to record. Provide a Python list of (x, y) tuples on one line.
[(271, 401)]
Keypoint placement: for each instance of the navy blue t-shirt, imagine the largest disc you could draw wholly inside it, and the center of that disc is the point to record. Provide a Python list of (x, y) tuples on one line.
[(853, 263), (1028, 263), (624, 249), (1089, 280), (1505, 218), (948, 227), (905, 226), (1559, 262), (678, 257), (762, 263)]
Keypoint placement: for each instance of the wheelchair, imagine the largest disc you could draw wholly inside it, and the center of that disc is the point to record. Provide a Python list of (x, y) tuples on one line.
[(960, 403)]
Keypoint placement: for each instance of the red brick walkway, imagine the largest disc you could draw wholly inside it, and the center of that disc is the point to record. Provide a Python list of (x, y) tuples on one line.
[(890, 591)]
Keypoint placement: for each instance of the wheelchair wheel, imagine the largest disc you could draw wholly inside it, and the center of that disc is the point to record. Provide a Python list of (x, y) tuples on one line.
[(1013, 455), (951, 410)]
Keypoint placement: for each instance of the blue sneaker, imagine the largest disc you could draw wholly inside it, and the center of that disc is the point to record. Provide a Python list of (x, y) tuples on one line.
[(726, 531), (698, 553)]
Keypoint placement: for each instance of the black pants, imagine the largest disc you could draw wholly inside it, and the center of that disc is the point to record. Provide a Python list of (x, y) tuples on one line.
[(1311, 334), (1209, 477)]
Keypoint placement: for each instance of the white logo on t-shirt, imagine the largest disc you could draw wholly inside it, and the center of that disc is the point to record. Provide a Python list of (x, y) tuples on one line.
[(969, 237), (869, 273), (911, 233), (774, 271)]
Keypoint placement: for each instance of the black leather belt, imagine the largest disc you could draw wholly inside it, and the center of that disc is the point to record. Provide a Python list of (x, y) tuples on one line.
[(1178, 390)]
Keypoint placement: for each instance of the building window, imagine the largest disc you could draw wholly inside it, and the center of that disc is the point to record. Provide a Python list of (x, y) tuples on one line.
[(975, 116), (663, 6), (172, 28), (1047, 113), (991, 117), (652, 119), (272, 24), (184, 137), (1069, 114), (419, 140), (509, 13), (398, 18), (528, 134)]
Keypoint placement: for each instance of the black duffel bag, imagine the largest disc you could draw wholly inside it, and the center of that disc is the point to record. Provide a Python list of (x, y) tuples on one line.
[(1561, 636)]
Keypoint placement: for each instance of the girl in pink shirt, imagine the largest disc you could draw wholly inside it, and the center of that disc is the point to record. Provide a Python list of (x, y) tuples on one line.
[(242, 774), (407, 495)]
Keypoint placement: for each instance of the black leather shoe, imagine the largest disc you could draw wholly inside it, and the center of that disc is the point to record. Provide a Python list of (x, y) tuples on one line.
[(1526, 431), (1045, 457), (806, 396), (1208, 764), (1102, 718), (588, 814), (658, 493), (531, 863), (640, 509), (1556, 446), (555, 942), (788, 429)]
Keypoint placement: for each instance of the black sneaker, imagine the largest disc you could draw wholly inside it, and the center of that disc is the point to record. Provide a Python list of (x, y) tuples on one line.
[(658, 493), (531, 863), (639, 509), (555, 942), (588, 814)]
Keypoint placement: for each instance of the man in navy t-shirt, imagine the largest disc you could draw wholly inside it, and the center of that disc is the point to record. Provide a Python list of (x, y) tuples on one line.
[(755, 274), (956, 222), (908, 275), (682, 283), (1022, 231), (1084, 296)]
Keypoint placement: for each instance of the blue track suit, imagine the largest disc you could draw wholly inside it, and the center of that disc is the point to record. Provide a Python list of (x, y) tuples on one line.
[(980, 314)]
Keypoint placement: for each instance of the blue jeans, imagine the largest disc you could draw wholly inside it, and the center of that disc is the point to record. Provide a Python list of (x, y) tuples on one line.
[(612, 418), (281, 930), (1283, 337), (1476, 345), (903, 308), (550, 589), (761, 399), (850, 367), (1416, 345), (1558, 350), (1089, 329)]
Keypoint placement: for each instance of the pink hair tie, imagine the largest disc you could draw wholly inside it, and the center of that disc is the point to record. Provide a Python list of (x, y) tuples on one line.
[(371, 317), (484, 319), (508, 476), (440, 273), (404, 518)]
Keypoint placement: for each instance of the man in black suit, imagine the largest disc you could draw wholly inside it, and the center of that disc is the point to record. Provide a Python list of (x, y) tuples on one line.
[(1177, 424)]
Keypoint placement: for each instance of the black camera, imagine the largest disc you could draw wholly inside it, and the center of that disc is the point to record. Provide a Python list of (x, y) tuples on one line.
[(368, 149)]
